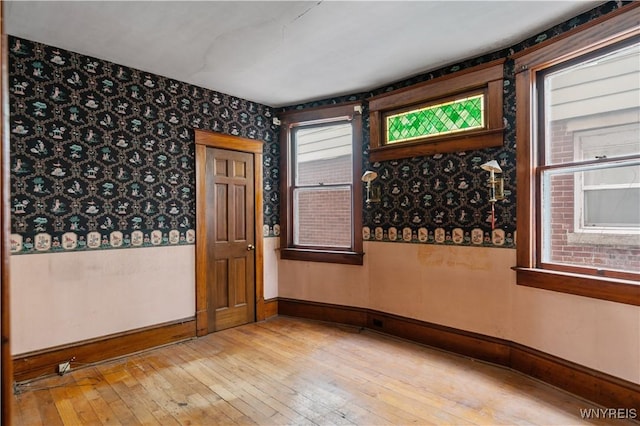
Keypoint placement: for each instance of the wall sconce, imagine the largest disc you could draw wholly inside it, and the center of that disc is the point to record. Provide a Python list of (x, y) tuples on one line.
[(496, 185), (373, 192)]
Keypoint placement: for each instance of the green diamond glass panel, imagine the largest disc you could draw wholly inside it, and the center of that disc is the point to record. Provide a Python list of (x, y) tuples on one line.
[(459, 115)]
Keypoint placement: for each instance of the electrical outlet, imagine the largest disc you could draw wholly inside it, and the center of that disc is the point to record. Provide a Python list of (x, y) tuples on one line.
[(64, 368)]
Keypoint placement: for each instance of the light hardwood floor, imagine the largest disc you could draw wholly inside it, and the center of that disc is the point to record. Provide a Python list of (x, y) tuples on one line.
[(292, 371)]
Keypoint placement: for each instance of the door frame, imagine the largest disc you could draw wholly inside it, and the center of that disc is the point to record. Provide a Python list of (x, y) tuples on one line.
[(207, 139)]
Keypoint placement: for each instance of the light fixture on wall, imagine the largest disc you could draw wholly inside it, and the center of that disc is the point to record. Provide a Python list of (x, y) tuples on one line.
[(373, 192), (496, 185)]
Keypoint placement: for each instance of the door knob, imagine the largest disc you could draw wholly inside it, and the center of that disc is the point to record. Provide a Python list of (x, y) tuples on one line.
[(251, 247)]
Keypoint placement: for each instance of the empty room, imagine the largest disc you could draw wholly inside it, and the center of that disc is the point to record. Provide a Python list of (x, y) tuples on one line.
[(320, 212)]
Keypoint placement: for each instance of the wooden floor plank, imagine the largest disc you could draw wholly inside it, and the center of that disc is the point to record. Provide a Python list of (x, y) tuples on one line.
[(91, 379), (171, 406), (254, 382), (66, 410), (196, 369), (28, 412), (223, 384), (292, 371), (186, 386), (303, 394), (75, 394), (48, 410), (320, 402), (346, 377), (113, 374)]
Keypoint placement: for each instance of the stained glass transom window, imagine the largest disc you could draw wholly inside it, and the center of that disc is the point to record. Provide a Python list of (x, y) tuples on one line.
[(436, 120)]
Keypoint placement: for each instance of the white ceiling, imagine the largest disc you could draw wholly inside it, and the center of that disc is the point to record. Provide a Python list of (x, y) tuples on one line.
[(282, 53)]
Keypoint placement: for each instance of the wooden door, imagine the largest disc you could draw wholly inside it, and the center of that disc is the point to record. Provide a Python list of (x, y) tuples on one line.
[(230, 216)]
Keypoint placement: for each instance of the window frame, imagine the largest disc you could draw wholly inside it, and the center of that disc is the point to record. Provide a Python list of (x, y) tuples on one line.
[(611, 29), (486, 79), (291, 120)]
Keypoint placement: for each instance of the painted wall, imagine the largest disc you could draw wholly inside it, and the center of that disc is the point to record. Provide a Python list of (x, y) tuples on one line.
[(601, 335), (59, 298), (270, 267), (461, 287)]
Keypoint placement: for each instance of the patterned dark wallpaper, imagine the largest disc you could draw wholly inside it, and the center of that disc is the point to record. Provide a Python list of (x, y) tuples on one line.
[(102, 155), (443, 198)]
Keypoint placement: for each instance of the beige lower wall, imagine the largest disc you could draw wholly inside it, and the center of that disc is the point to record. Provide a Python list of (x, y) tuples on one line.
[(60, 298), (324, 282), (270, 267), (595, 333), (474, 289), (461, 287)]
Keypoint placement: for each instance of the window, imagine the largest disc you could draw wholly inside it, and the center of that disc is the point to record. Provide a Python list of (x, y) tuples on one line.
[(321, 163), (590, 179), (322, 185), (456, 112), (460, 115), (578, 133)]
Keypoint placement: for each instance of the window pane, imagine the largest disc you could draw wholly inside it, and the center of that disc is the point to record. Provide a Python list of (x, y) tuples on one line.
[(322, 217), (323, 154), (449, 117), (608, 176), (592, 109), (610, 195), (594, 228), (609, 142), (612, 208)]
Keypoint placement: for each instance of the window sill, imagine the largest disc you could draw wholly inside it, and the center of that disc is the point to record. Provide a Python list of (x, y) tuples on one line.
[(309, 255), (611, 289), (591, 238)]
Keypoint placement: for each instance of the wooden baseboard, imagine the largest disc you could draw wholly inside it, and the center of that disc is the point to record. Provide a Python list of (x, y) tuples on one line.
[(601, 388), (270, 308), (45, 362), (323, 312)]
